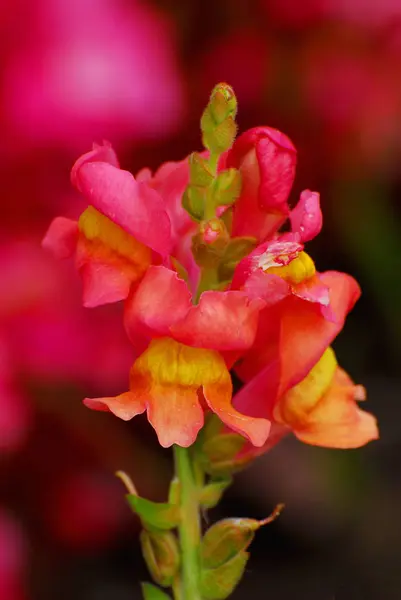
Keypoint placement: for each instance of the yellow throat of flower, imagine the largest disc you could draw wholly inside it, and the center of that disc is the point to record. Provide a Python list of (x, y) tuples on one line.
[(100, 229), (168, 362), (295, 406)]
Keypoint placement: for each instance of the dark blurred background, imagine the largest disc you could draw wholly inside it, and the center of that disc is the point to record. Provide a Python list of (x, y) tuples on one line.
[(327, 73)]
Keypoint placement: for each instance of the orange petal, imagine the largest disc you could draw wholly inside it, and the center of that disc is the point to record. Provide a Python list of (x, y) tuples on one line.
[(218, 397), (125, 406), (176, 414), (337, 422)]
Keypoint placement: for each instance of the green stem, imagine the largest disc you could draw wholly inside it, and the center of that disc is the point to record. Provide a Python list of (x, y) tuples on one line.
[(189, 529)]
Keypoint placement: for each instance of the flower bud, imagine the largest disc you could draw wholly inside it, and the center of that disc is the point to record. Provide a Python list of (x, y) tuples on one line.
[(266, 159), (161, 553), (227, 538), (224, 555), (209, 244), (220, 453), (217, 449), (218, 120)]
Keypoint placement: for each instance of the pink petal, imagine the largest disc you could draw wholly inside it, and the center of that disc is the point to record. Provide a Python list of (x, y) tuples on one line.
[(133, 206), (266, 159), (125, 406), (61, 238), (270, 288), (221, 321), (99, 153), (292, 337), (103, 284), (218, 397), (160, 300), (305, 333), (306, 218)]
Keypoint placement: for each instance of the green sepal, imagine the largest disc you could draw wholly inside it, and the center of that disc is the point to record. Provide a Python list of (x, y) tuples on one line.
[(193, 201), (219, 583), (225, 539), (218, 138), (227, 187), (174, 492), (162, 555), (155, 515), (219, 453), (228, 217), (199, 171), (236, 250), (180, 269), (211, 494), (151, 592)]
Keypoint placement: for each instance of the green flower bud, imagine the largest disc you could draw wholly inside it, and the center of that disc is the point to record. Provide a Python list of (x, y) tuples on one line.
[(226, 539), (220, 452), (218, 119), (223, 102), (209, 244), (161, 553)]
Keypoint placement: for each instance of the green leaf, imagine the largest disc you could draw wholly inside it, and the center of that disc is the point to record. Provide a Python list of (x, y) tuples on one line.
[(212, 492), (151, 592), (159, 515), (218, 584)]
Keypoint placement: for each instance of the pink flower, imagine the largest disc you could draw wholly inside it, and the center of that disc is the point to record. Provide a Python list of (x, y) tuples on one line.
[(115, 236), (294, 380), (266, 159), (182, 368)]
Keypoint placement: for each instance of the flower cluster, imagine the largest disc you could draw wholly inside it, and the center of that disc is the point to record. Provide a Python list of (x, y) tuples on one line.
[(211, 283)]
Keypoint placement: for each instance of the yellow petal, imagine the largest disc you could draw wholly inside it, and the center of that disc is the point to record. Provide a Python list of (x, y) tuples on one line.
[(296, 405)]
